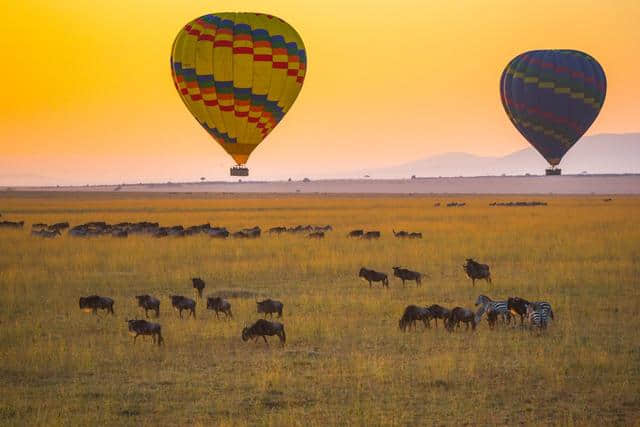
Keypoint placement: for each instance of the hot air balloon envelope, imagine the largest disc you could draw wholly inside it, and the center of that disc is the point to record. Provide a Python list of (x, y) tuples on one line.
[(238, 74), (552, 97)]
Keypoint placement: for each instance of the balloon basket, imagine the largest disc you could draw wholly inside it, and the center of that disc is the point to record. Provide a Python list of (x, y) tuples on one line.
[(239, 171), (553, 171)]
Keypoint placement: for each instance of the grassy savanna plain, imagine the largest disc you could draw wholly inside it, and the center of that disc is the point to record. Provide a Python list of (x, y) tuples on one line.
[(345, 361)]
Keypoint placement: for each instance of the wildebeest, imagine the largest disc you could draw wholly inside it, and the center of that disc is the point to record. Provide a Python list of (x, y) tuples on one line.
[(46, 233), (263, 328), (269, 306), (180, 303), (323, 228), (277, 230), (148, 303), (371, 235), (11, 224), (356, 233), (248, 233), (439, 312), (477, 271), (459, 314), (405, 274), (198, 285), (400, 234), (93, 303), (316, 235), (219, 305), (415, 235), (123, 234), (373, 276), (218, 233), (142, 327), (412, 314)]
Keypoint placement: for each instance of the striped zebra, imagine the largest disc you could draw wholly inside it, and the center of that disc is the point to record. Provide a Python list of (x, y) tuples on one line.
[(538, 317), (499, 307), (545, 308)]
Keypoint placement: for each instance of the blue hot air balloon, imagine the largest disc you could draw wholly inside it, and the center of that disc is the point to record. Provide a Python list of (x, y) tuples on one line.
[(552, 97)]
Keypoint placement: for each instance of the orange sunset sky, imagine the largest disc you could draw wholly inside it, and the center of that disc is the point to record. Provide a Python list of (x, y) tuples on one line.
[(88, 96)]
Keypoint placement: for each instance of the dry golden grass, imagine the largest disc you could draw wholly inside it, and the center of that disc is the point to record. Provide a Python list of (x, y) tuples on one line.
[(345, 361)]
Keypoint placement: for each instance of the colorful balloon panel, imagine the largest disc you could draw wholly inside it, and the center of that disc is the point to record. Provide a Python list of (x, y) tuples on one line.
[(552, 97), (238, 74)]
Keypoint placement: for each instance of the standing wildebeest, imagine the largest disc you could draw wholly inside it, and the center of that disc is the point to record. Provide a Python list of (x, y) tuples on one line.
[(142, 327), (183, 303), (59, 226), (356, 233), (263, 328), (415, 235), (400, 234), (371, 235), (374, 276), (46, 233), (412, 314), (459, 314), (10, 224), (94, 303), (517, 305), (149, 303), (269, 306), (277, 230), (316, 235), (477, 271), (404, 275), (219, 304), (198, 284), (439, 312)]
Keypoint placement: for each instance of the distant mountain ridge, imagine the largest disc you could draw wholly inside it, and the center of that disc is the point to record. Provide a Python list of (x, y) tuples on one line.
[(596, 154)]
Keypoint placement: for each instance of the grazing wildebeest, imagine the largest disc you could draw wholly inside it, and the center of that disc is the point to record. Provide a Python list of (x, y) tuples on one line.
[(252, 233), (142, 327), (356, 233), (46, 233), (218, 233), (263, 328), (198, 285), (415, 235), (439, 312), (404, 275), (373, 276), (412, 314), (477, 271), (459, 314), (500, 307), (149, 303), (11, 224), (240, 235), (277, 230), (183, 303), (316, 235), (371, 235), (518, 306), (94, 303), (218, 305), (39, 225), (270, 306), (400, 234)]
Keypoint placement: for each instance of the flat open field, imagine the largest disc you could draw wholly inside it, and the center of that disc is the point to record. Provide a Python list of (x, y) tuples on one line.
[(345, 361)]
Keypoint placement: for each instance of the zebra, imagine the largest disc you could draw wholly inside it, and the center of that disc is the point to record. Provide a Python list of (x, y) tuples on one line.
[(538, 317), (499, 307), (545, 308)]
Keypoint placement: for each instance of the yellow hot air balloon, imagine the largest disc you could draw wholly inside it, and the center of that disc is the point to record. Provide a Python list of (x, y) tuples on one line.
[(238, 74)]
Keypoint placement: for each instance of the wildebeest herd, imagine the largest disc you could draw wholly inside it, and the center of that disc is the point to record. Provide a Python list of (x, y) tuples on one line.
[(538, 314), (260, 328)]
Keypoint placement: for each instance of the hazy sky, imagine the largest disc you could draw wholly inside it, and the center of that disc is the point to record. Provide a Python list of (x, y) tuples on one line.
[(88, 95)]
